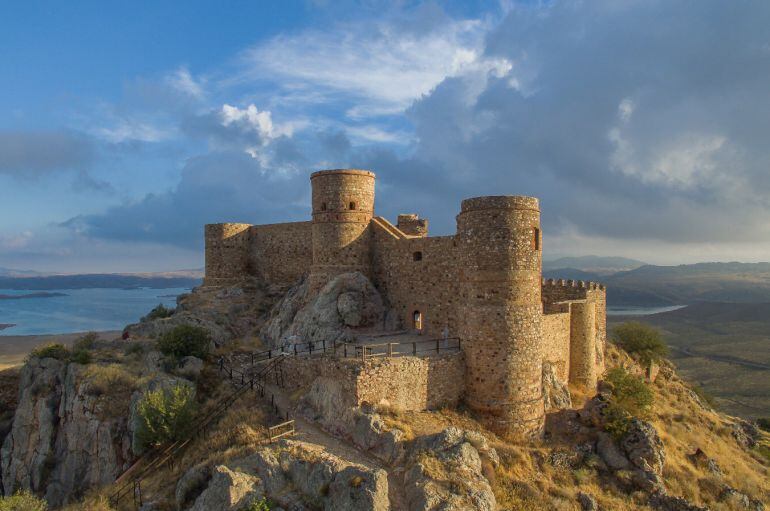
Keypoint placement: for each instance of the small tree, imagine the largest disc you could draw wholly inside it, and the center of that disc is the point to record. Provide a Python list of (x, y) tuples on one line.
[(165, 415), (185, 340), (641, 340), (630, 398)]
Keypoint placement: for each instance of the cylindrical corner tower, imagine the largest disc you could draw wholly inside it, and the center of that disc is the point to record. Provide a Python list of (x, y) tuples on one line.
[(343, 205), (500, 319), (227, 253), (582, 360)]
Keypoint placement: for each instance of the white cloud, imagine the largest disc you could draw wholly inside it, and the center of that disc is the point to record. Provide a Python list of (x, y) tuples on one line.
[(182, 81), (124, 130), (382, 65), (688, 161)]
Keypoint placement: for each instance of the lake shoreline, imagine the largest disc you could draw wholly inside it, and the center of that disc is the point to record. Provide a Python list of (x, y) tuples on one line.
[(15, 348)]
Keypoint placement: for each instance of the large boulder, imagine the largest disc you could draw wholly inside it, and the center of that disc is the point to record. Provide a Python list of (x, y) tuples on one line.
[(555, 392), (299, 475), (228, 490), (346, 303), (446, 473), (643, 447)]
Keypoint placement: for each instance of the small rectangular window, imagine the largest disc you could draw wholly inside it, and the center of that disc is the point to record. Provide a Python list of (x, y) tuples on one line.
[(536, 240), (417, 256), (352, 206)]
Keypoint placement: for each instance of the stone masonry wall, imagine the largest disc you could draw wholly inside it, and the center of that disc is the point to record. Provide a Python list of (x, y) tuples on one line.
[(418, 274), (556, 341), (281, 253), (407, 383), (413, 383), (227, 250)]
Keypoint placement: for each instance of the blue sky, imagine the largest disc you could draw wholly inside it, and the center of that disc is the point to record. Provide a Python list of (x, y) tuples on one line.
[(124, 128)]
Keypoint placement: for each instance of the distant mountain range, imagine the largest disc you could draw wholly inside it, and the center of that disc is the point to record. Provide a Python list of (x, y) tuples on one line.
[(598, 265), (28, 280), (651, 285)]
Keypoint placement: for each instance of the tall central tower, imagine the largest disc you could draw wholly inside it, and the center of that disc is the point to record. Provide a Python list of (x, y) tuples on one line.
[(343, 206), (500, 319)]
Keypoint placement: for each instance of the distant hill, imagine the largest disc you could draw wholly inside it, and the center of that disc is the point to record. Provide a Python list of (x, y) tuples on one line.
[(102, 280), (9, 272), (651, 285), (599, 265)]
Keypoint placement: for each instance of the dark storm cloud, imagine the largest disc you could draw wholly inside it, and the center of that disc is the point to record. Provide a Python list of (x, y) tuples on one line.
[(34, 153), (629, 119), (218, 187)]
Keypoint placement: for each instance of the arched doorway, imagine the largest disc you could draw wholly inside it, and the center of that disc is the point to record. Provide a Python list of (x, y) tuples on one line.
[(417, 321)]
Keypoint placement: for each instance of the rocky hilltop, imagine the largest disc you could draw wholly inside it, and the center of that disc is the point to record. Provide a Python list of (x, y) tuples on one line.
[(73, 428)]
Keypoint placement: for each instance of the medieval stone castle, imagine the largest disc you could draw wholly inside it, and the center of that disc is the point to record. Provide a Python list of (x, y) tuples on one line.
[(482, 285)]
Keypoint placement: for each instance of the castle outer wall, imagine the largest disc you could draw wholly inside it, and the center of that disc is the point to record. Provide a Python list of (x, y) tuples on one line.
[(482, 285)]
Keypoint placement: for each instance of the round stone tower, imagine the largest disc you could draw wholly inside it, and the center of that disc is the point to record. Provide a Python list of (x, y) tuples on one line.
[(343, 205), (500, 319)]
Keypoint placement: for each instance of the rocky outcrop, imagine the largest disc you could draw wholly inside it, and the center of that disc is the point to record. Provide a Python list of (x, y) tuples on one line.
[(63, 440), (226, 313), (297, 476), (228, 490), (555, 392), (446, 472), (347, 303), (643, 447)]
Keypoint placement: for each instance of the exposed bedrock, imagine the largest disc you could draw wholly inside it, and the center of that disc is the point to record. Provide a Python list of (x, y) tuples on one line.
[(63, 440), (346, 304)]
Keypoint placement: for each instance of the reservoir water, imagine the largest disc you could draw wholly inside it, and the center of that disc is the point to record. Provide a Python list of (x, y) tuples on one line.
[(81, 310)]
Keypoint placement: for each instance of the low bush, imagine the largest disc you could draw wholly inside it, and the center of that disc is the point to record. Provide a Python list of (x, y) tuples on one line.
[(81, 357), (165, 415), (87, 342), (764, 423), (53, 350), (184, 341), (640, 340), (22, 501), (630, 398), (134, 348), (112, 380), (159, 312), (257, 505)]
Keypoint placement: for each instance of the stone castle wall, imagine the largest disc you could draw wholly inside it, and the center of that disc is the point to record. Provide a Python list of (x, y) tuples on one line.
[(418, 275), (281, 253), (556, 341), (406, 383), (227, 252)]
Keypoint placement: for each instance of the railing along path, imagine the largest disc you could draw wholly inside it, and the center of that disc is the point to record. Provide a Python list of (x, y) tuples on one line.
[(254, 378), (129, 482)]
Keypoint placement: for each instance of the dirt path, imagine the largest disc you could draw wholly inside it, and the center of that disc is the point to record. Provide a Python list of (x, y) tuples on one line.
[(310, 432)]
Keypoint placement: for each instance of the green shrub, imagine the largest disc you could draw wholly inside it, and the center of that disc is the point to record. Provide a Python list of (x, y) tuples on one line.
[(134, 348), (87, 342), (165, 415), (641, 340), (257, 505), (185, 340), (53, 350), (22, 501), (81, 357), (159, 312), (630, 398), (764, 423)]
